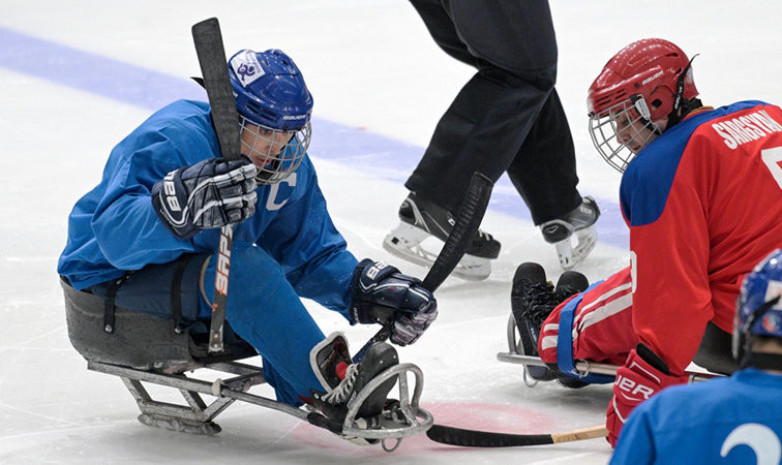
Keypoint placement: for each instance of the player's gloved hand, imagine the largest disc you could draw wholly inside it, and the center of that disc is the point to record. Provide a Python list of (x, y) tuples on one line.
[(643, 375), (381, 294), (210, 194)]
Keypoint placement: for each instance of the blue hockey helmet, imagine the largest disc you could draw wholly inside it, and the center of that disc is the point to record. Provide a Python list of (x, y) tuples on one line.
[(274, 106), (270, 90), (758, 309)]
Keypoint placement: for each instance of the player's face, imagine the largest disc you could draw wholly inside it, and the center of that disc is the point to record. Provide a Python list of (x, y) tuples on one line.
[(631, 130), (263, 145)]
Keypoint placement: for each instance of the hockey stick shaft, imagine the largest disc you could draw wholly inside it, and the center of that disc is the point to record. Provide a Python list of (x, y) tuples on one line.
[(208, 42), (468, 219), (585, 367), (470, 438)]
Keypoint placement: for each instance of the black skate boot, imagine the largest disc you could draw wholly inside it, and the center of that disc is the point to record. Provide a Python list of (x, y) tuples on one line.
[(581, 222), (532, 300), (420, 219), (343, 380)]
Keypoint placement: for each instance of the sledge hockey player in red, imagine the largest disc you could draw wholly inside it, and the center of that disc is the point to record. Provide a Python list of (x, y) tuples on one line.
[(701, 192), (706, 422)]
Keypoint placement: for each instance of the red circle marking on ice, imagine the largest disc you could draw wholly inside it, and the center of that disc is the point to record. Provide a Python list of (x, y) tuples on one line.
[(468, 415)]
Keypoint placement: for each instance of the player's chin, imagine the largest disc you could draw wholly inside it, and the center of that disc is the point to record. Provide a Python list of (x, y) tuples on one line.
[(635, 148), (261, 162)]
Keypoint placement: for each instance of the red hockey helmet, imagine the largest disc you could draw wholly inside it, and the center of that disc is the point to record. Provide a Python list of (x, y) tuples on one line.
[(645, 83)]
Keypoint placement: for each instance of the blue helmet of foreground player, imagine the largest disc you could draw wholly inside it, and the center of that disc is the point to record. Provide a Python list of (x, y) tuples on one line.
[(759, 310), (274, 107), (270, 90)]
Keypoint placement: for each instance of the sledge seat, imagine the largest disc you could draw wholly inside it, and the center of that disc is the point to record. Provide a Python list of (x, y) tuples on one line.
[(139, 340)]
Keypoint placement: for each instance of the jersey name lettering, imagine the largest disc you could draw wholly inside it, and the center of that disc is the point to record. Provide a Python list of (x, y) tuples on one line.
[(747, 128)]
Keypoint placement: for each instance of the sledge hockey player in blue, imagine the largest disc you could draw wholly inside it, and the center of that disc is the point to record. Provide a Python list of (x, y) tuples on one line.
[(735, 420), (145, 239)]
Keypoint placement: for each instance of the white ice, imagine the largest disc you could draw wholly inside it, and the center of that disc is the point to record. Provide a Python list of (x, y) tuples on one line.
[(373, 69)]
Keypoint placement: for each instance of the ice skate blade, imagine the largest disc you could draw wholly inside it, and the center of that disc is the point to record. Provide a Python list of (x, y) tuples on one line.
[(179, 425), (571, 254), (515, 347), (405, 243)]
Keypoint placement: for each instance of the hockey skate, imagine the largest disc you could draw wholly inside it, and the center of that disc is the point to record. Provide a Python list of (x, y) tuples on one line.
[(420, 220), (344, 382), (574, 235), (533, 298)]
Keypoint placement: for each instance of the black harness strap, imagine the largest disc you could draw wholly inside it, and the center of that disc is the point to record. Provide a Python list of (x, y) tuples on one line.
[(176, 288), (109, 307)]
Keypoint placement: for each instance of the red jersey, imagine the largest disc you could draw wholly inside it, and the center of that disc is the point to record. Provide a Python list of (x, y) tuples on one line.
[(704, 205)]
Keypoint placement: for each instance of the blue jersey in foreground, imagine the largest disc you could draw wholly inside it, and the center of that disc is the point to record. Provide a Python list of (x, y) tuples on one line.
[(735, 420)]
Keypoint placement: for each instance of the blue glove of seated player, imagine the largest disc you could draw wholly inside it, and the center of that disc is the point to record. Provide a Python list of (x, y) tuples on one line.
[(210, 194), (381, 294)]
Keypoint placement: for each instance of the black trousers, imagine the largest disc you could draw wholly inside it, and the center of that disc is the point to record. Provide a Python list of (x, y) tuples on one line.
[(508, 117)]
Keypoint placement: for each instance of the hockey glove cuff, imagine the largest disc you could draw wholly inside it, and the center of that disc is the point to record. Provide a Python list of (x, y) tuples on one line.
[(381, 294), (643, 375), (209, 194)]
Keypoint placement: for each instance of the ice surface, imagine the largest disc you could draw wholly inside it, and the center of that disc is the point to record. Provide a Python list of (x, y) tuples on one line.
[(76, 76)]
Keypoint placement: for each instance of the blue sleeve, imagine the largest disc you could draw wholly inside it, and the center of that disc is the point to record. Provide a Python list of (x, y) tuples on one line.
[(636, 442), (128, 231), (314, 255)]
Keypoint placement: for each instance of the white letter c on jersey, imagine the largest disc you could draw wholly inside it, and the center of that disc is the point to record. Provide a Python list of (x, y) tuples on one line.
[(762, 439), (271, 202)]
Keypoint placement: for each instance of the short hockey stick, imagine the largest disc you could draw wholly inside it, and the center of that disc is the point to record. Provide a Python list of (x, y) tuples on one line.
[(469, 438), (211, 56), (468, 219)]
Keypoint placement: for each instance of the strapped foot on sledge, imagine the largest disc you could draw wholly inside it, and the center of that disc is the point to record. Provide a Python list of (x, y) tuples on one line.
[(420, 220), (533, 298), (145, 350)]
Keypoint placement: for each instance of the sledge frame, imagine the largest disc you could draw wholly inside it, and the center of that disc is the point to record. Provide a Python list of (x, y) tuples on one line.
[(197, 415)]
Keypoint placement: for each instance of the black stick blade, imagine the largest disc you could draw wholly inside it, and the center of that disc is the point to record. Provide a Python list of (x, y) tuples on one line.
[(470, 438), (468, 219), (214, 67)]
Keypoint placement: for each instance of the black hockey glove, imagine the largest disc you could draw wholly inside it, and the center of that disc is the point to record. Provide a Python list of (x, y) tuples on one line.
[(209, 194), (381, 294)]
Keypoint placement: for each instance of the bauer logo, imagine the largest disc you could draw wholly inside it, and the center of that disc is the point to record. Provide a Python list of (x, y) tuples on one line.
[(247, 68)]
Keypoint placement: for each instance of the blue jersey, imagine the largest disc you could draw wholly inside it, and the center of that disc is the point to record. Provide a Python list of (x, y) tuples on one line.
[(735, 420), (114, 228)]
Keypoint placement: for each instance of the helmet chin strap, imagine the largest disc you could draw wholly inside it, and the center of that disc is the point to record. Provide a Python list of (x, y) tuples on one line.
[(682, 106), (762, 360)]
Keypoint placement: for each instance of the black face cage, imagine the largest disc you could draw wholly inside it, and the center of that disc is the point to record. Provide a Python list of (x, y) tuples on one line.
[(286, 150)]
